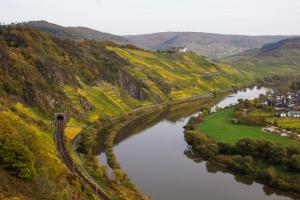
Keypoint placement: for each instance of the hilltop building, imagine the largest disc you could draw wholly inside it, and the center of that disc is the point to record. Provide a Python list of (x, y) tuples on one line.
[(182, 49)]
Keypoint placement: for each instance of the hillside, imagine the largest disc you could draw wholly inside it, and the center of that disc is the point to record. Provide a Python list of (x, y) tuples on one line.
[(76, 33), (41, 74), (39, 69), (281, 57), (207, 44)]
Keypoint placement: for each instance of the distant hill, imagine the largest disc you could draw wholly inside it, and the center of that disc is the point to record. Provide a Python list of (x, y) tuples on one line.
[(76, 33), (208, 44), (211, 45), (273, 58)]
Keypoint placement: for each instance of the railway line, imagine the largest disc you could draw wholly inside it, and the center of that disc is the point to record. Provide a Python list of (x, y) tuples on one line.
[(65, 156)]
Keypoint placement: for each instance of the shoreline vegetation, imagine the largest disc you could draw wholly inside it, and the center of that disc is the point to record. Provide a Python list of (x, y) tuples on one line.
[(119, 185), (263, 160)]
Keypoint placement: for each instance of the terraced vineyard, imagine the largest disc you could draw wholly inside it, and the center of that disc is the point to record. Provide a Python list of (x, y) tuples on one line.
[(183, 75)]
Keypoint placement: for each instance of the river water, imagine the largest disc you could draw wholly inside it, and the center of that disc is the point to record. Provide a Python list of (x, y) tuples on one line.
[(152, 151)]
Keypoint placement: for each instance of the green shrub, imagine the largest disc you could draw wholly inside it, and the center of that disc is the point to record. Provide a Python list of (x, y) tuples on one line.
[(87, 140), (226, 148), (243, 165), (295, 162), (271, 174), (17, 157)]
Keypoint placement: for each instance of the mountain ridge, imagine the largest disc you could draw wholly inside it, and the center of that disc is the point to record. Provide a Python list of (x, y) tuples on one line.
[(212, 45), (76, 33)]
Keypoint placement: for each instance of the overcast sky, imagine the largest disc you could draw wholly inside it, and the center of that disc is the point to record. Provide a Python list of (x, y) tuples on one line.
[(251, 17)]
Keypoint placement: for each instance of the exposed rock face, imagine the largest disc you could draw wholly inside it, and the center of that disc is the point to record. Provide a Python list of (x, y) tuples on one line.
[(161, 84), (134, 88), (85, 104)]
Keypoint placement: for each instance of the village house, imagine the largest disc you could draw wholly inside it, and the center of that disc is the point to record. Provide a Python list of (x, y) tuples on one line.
[(182, 49), (281, 114), (295, 114), (285, 102)]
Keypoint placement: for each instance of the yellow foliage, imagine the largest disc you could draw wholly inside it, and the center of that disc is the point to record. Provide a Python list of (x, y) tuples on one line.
[(72, 132), (27, 111), (20, 124)]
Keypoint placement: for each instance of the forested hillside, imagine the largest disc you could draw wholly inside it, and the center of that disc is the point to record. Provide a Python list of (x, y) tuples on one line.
[(89, 80), (75, 33)]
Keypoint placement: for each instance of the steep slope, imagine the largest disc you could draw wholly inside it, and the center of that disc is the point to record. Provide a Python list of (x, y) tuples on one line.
[(207, 44), (37, 68), (41, 74), (76, 33), (282, 57), (179, 75)]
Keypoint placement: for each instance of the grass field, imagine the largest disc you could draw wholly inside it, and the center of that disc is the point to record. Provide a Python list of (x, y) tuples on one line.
[(261, 113), (286, 122), (219, 127)]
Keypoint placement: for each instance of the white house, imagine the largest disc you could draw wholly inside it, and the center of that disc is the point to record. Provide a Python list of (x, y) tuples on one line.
[(183, 49), (295, 114), (282, 114)]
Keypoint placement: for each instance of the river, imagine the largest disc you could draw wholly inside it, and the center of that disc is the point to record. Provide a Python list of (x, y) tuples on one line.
[(152, 152)]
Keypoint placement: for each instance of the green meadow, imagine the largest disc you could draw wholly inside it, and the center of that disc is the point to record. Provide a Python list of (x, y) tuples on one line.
[(219, 126)]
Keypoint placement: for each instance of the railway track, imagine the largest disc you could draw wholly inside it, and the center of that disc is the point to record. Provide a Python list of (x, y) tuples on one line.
[(65, 156)]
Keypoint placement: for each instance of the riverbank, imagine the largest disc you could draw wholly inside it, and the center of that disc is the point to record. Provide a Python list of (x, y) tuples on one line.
[(119, 185)]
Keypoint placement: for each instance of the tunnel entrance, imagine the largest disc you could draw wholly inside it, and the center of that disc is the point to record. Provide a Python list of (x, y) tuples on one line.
[(60, 117)]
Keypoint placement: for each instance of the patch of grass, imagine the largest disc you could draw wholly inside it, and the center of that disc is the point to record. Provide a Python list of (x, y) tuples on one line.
[(261, 113), (286, 122), (30, 112), (219, 127)]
